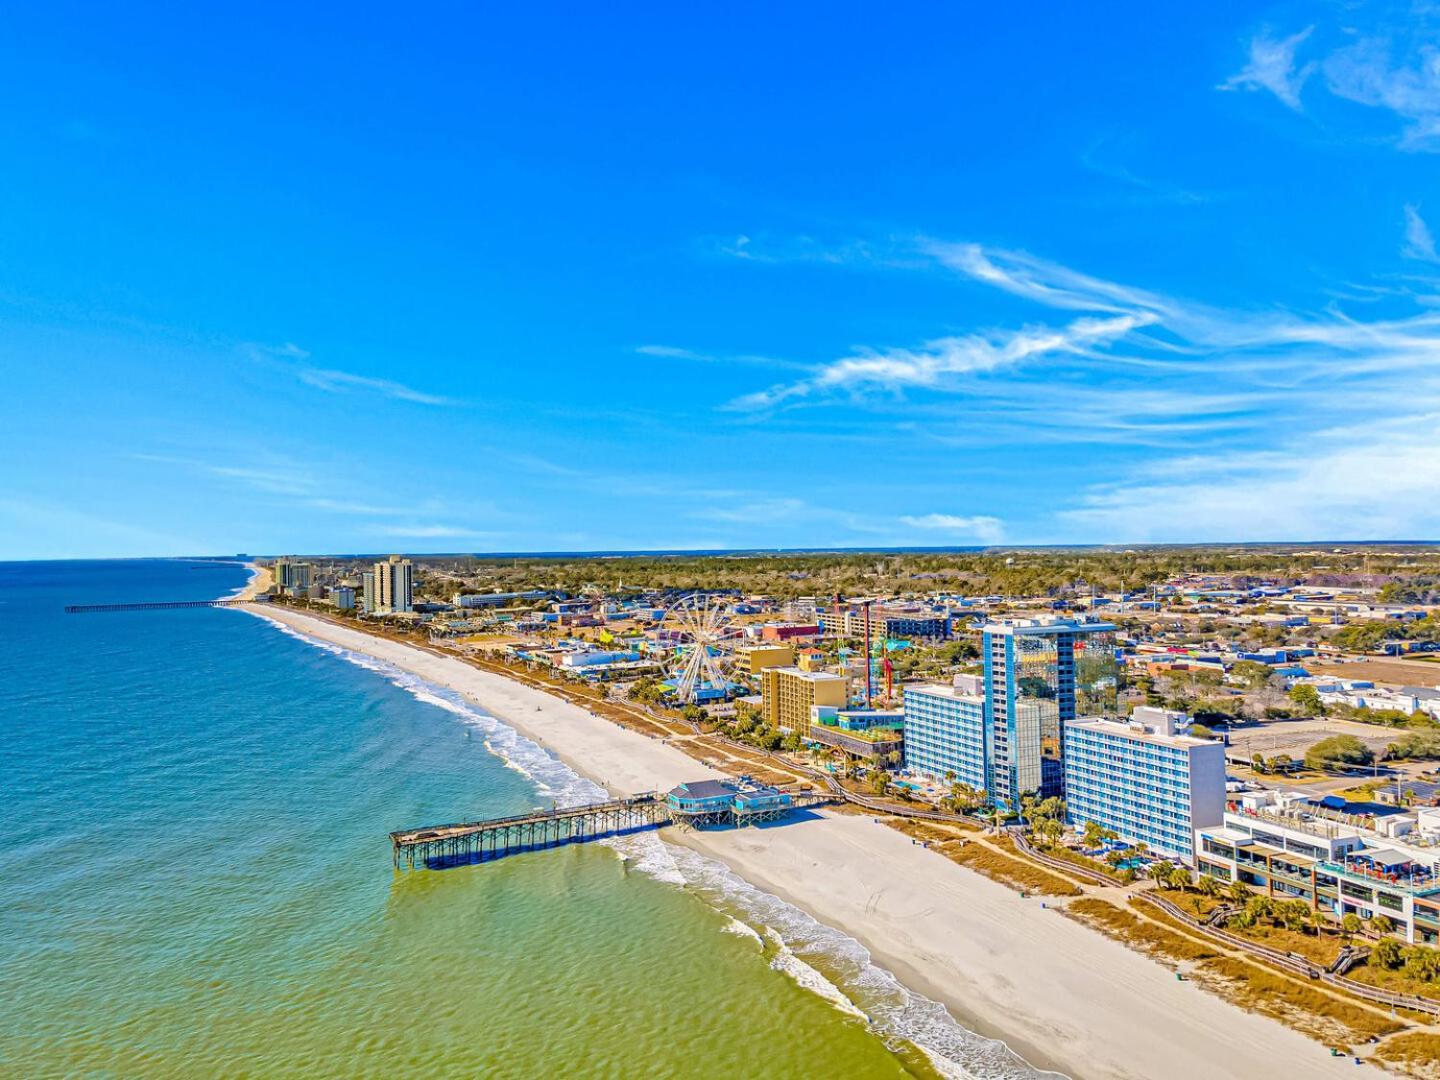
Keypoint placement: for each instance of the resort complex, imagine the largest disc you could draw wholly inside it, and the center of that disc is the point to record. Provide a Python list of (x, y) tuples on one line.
[(1207, 743)]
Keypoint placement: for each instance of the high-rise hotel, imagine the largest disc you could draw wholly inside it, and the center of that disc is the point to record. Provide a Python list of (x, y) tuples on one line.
[(393, 586), (1004, 732), (1039, 676)]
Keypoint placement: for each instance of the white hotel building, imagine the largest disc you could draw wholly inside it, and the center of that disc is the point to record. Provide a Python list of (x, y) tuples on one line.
[(1143, 780)]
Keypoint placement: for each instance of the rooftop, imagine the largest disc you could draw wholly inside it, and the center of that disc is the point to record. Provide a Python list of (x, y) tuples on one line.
[(1137, 732), (943, 690), (812, 676)]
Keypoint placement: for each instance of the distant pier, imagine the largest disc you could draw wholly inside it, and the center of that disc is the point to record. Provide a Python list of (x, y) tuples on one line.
[(166, 605)]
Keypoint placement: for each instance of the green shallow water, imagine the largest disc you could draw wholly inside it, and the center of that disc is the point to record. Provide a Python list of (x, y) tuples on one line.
[(195, 880)]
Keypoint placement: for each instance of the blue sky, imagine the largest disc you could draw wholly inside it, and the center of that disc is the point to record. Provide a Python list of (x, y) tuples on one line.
[(548, 278)]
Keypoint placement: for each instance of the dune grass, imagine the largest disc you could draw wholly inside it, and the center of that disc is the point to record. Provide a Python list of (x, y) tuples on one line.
[(1417, 1051)]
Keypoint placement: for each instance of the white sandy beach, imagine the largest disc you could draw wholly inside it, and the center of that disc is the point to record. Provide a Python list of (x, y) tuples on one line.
[(1062, 995)]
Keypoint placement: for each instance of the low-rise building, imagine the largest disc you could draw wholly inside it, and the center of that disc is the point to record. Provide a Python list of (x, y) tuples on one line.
[(870, 734), (1291, 849), (789, 631), (1143, 780)]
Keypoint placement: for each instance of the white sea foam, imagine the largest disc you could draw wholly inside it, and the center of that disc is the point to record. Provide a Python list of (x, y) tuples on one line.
[(783, 959), (849, 980), (741, 929), (553, 779)]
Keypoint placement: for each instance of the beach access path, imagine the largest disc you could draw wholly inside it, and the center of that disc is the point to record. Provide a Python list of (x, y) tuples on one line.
[(1060, 994)]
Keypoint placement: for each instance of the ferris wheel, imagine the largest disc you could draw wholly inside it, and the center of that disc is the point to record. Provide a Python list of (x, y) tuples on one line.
[(702, 663)]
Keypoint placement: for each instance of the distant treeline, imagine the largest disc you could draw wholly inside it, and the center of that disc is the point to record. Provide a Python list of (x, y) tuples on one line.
[(1408, 574)]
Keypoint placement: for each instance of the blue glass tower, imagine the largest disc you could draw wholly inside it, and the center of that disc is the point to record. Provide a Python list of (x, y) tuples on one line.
[(1038, 677)]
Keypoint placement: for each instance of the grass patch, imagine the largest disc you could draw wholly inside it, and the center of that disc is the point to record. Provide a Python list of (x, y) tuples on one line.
[(1303, 1007), (1394, 980), (1417, 1051), (1009, 870), (1125, 926)]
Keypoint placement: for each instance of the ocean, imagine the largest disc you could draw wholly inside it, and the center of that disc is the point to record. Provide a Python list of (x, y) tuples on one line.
[(195, 879)]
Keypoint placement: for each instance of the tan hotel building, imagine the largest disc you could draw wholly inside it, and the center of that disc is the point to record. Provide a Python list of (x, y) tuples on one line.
[(787, 694)]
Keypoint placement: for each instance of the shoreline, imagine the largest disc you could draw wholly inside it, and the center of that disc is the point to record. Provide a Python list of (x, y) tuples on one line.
[(1004, 966)]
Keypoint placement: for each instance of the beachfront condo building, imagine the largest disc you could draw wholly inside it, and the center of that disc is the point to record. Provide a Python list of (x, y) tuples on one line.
[(754, 659), (292, 577), (945, 732), (787, 694), (1039, 676), (1144, 779), (1283, 846), (394, 586)]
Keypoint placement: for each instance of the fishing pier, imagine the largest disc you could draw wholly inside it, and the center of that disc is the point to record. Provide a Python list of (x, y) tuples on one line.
[(439, 847), (163, 605)]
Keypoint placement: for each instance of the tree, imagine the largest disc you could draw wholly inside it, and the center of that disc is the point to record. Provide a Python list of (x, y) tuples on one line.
[(1336, 751), (1422, 963), (1350, 925), (1308, 698), (1294, 915), (1096, 834), (1381, 924), (1237, 891), (1387, 953), (1049, 829), (879, 782), (1208, 885)]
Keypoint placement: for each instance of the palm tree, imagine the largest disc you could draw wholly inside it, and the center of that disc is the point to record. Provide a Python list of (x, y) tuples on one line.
[(1179, 878), (1237, 891), (1208, 886), (1350, 925)]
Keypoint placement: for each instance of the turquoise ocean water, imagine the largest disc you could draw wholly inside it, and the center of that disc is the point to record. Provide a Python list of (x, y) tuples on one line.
[(195, 880)]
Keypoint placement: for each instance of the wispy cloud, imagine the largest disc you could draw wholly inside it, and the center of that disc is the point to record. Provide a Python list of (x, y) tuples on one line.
[(1419, 244), (269, 473), (1246, 401), (669, 352), (1272, 66), (987, 530), (427, 531), (928, 366), (1098, 159), (334, 381), (1388, 62), (673, 352), (1368, 72), (1372, 483)]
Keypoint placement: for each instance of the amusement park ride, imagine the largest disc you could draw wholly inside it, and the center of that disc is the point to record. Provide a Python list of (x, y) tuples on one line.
[(701, 667)]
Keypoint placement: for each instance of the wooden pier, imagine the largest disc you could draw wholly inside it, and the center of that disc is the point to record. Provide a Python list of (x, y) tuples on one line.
[(438, 847), (441, 846), (167, 605)]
